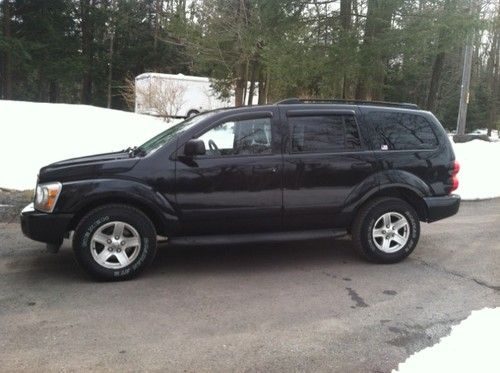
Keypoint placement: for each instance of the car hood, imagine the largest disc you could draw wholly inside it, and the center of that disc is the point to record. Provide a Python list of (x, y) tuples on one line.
[(93, 166)]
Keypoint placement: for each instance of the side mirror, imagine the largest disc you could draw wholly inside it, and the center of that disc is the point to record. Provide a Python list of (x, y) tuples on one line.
[(194, 147)]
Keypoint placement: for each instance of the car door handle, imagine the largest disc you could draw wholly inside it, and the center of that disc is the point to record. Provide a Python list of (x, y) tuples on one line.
[(361, 166)]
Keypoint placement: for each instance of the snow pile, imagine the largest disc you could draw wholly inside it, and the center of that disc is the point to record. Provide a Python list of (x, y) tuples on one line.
[(34, 135), (479, 176), (472, 346)]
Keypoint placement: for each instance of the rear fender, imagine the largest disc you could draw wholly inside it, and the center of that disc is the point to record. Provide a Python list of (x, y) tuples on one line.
[(388, 179)]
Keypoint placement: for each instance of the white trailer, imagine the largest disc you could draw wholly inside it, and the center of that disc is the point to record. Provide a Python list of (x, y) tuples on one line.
[(177, 95)]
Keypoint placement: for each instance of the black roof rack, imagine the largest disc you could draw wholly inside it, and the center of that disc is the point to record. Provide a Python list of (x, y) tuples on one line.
[(290, 101)]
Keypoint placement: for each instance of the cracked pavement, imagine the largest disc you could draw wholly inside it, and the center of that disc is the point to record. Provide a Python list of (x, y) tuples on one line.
[(305, 306)]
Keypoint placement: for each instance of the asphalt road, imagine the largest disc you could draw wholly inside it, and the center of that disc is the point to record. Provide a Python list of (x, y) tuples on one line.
[(311, 306)]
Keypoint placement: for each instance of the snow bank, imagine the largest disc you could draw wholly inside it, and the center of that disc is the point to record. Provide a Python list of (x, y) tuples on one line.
[(472, 346), (479, 176), (36, 134)]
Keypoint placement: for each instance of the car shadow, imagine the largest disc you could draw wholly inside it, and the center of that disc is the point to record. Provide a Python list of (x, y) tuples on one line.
[(34, 264), (251, 257)]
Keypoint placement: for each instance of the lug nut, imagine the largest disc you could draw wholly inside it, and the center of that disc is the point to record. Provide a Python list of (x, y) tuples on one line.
[(116, 237), (122, 243), (110, 249), (109, 241), (118, 250), (383, 232)]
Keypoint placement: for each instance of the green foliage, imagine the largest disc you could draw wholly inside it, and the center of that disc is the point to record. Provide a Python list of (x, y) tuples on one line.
[(396, 50)]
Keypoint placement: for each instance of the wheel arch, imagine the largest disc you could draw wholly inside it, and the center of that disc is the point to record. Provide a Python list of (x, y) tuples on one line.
[(411, 196), (152, 213)]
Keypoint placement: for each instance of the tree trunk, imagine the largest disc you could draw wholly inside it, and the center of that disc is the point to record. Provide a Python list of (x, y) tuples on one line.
[(253, 78), (345, 14), (87, 50), (241, 65), (372, 72), (110, 54), (345, 22), (53, 91), (7, 60), (262, 86), (493, 76), (110, 69), (158, 15), (239, 88), (266, 90), (437, 68)]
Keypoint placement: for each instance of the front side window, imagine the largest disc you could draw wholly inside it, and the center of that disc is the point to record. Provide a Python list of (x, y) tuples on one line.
[(324, 133), (173, 132), (241, 137), (402, 131)]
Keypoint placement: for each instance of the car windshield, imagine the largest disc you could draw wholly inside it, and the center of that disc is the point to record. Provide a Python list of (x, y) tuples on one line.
[(170, 134)]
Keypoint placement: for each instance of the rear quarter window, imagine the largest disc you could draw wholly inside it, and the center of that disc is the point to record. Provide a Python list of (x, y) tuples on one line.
[(323, 133), (402, 131)]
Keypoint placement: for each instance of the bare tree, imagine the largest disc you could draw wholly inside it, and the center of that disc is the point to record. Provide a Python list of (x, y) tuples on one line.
[(7, 60), (164, 99), (493, 72)]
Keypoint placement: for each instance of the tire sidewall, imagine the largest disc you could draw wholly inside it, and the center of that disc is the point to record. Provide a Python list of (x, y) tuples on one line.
[(377, 211), (92, 222)]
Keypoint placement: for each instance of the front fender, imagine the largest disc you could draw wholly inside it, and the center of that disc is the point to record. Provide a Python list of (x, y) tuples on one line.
[(77, 195)]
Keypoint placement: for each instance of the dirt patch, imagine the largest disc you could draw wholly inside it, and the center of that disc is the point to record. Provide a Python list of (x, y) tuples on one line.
[(12, 202)]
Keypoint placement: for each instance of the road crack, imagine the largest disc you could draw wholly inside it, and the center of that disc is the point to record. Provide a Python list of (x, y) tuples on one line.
[(457, 274)]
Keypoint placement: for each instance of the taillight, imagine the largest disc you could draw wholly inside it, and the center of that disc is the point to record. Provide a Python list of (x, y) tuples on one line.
[(454, 179)]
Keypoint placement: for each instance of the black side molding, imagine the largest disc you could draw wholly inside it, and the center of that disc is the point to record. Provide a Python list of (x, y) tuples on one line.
[(267, 237)]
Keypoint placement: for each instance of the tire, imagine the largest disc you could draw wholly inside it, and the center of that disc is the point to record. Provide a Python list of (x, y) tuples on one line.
[(192, 113), (370, 231), (102, 255)]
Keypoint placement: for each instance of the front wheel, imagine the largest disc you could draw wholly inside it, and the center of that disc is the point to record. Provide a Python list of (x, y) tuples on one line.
[(386, 230), (115, 242)]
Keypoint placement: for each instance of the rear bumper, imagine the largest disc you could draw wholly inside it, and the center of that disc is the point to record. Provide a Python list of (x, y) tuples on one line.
[(39, 226), (441, 207)]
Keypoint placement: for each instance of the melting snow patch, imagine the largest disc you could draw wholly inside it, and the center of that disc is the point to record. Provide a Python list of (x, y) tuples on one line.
[(479, 176), (472, 346)]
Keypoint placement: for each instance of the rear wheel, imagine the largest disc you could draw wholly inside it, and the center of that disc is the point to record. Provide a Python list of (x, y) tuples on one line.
[(386, 230), (115, 242)]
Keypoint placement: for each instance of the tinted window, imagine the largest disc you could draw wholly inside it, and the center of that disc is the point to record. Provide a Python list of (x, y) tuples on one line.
[(244, 137), (400, 131), (323, 133)]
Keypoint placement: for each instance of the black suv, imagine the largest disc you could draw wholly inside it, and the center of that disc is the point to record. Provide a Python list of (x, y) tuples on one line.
[(289, 171)]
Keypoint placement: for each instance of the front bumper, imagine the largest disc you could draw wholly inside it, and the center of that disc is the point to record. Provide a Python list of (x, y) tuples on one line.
[(441, 207), (43, 227)]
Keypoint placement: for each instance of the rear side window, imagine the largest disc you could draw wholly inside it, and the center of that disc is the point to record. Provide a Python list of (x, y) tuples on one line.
[(402, 131), (323, 133)]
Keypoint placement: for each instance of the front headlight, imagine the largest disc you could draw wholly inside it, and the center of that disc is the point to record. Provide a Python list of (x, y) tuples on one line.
[(46, 196)]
